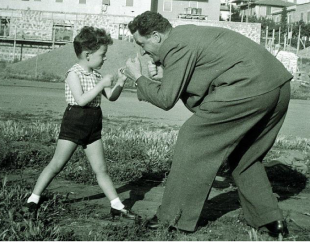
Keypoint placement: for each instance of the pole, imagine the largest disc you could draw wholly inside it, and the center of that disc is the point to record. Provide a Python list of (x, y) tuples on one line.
[(298, 40), (272, 42), (247, 16), (37, 57), (53, 44), (14, 46), (279, 35), (266, 40), (230, 11)]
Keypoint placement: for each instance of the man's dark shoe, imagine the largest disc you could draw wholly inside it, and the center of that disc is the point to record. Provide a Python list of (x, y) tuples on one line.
[(277, 227), (153, 223), (124, 213)]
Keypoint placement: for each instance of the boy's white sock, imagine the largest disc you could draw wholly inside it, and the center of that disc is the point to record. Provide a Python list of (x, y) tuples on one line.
[(33, 198), (117, 204)]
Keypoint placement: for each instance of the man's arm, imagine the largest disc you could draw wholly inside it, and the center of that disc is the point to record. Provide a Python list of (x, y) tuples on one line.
[(179, 64)]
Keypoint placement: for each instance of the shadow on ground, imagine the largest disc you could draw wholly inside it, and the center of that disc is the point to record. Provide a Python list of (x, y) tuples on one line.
[(285, 183), (137, 191)]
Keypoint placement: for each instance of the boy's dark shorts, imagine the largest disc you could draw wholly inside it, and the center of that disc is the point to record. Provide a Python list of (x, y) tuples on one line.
[(81, 125)]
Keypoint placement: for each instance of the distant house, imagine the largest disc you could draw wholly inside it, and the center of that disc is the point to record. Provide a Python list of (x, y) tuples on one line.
[(298, 12), (302, 12), (262, 8), (199, 9), (113, 7)]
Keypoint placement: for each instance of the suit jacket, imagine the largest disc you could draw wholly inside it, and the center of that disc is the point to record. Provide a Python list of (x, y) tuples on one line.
[(211, 63)]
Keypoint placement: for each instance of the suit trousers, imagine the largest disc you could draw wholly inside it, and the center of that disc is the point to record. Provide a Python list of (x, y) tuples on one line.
[(240, 133)]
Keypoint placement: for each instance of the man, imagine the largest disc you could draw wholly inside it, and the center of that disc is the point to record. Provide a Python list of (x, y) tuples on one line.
[(239, 94)]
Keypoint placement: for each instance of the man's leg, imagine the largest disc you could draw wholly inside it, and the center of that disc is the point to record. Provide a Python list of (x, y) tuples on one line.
[(259, 204), (204, 142)]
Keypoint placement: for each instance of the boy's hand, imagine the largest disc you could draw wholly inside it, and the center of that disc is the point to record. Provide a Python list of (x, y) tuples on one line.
[(120, 74), (156, 72), (106, 81)]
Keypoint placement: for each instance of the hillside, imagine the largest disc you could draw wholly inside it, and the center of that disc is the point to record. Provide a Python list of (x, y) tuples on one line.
[(56, 62)]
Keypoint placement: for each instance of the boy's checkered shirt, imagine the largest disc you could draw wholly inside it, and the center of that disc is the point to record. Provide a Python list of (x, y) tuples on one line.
[(88, 81)]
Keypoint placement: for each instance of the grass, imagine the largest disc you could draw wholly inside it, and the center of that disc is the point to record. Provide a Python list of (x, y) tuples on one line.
[(133, 150)]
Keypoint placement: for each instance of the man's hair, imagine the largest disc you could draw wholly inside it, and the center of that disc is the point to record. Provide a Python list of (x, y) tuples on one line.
[(148, 22), (91, 39)]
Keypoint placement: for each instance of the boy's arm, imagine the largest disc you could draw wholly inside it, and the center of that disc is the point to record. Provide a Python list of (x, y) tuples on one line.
[(75, 86), (112, 94)]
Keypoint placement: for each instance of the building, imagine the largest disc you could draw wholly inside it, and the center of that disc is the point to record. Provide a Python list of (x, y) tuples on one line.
[(298, 12), (199, 9), (302, 12), (261, 8), (113, 7)]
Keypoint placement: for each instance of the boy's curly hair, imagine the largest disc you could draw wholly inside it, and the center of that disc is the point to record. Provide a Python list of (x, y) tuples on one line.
[(90, 39), (148, 22)]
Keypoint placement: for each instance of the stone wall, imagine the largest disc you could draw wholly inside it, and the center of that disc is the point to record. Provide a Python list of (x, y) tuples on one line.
[(250, 30), (39, 26), (21, 52), (31, 26)]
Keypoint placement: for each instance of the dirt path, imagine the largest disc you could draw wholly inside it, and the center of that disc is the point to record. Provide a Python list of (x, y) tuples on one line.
[(144, 197), (37, 100)]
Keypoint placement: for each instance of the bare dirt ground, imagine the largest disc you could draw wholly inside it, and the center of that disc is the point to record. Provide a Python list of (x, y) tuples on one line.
[(45, 101)]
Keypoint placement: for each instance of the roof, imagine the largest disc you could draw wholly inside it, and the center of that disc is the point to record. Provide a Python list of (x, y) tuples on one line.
[(275, 3), (272, 3)]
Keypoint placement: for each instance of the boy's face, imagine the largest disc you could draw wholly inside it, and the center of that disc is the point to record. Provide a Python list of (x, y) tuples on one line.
[(97, 58)]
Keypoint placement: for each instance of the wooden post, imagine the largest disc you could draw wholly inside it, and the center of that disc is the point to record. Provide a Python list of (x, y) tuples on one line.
[(266, 40), (53, 44), (14, 46), (272, 42), (279, 35), (298, 40), (37, 57)]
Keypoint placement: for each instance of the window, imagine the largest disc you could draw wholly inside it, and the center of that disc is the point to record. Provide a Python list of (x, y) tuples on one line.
[(308, 17), (167, 5), (302, 16), (59, 1), (129, 3), (289, 18), (82, 1)]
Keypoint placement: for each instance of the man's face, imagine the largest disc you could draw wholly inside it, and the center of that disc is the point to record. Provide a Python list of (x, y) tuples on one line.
[(149, 44)]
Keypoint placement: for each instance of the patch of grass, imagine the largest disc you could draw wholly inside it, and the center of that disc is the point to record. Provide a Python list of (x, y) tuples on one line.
[(19, 225), (130, 151), (300, 91)]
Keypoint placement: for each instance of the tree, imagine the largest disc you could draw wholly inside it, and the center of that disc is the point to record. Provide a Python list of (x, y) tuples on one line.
[(283, 22), (235, 14)]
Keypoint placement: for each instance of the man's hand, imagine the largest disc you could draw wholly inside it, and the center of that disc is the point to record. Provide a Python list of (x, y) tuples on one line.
[(156, 72), (133, 68)]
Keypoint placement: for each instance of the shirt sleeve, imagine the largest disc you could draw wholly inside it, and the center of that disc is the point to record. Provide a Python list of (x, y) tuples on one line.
[(178, 63)]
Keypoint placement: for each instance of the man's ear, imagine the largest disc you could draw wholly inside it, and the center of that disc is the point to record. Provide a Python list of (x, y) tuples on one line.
[(157, 37)]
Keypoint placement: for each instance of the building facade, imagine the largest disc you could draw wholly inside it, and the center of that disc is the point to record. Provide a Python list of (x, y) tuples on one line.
[(113, 7), (201, 9)]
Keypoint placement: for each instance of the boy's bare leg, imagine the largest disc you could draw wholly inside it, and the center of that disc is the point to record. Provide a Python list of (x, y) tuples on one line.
[(63, 153), (95, 155)]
